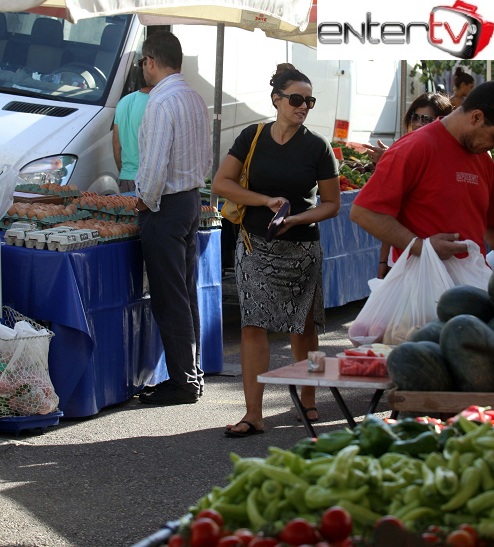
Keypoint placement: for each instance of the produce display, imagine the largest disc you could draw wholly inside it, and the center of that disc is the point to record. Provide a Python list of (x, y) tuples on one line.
[(355, 168), (425, 476), (454, 352)]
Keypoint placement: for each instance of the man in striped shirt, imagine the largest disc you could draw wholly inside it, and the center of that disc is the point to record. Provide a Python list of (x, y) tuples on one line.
[(175, 158)]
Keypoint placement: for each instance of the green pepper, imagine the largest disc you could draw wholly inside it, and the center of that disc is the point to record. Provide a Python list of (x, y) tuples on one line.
[(360, 514), (434, 459), (296, 496), (408, 428), (284, 476), (422, 444), (231, 511), (444, 435), (469, 486), (446, 481), (466, 443), (480, 503), (271, 489), (318, 497), (334, 441), (487, 480), (256, 519), (305, 447), (374, 435), (486, 528)]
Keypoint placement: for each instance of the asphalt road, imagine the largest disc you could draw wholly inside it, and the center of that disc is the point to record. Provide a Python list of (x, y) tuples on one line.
[(114, 479)]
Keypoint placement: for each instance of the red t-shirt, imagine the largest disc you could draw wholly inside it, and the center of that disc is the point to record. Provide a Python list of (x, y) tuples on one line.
[(431, 185)]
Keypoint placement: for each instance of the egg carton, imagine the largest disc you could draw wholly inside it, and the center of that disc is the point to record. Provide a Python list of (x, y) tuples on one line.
[(36, 189), (37, 239), (72, 241), (117, 239), (210, 219), (120, 210), (16, 234), (45, 222)]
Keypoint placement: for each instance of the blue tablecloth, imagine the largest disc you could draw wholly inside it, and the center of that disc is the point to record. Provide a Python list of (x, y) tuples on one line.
[(350, 257), (106, 344)]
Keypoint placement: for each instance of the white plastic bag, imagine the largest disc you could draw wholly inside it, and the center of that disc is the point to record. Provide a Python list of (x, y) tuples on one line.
[(471, 270), (405, 299)]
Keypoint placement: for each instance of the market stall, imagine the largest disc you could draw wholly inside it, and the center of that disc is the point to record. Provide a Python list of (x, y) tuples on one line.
[(350, 256), (106, 344)]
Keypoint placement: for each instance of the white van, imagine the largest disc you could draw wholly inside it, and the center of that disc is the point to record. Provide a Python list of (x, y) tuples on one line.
[(60, 84), (358, 100)]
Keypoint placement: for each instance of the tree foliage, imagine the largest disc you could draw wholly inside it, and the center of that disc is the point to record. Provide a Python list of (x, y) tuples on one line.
[(433, 69)]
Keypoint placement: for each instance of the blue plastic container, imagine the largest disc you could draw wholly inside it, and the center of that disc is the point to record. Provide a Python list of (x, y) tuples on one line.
[(16, 424)]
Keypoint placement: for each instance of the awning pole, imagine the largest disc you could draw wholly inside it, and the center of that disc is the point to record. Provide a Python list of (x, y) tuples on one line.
[(218, 100)]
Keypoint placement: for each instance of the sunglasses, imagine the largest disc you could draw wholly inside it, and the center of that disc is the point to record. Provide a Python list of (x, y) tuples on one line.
[(415, 118), (140, 62), (297, 100)]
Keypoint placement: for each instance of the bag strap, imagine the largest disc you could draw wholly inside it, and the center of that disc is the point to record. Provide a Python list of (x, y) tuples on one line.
[(252, 148)]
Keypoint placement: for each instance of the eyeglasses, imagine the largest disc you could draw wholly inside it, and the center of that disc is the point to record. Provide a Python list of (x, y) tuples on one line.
[(140, 62), (298, 100), (415, 118)]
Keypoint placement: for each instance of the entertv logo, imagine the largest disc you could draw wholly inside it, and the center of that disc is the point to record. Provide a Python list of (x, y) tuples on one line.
[(379, 29)]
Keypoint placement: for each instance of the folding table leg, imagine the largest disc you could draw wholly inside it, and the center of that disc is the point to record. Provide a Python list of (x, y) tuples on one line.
[(343, 407), (301, 412), (375, 400)]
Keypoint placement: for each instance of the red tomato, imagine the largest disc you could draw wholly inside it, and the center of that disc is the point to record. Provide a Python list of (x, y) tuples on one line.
[(245, 535), (176, 540), (230, 541), (210, 514), (389, 520), (260, 541), (430, 537), (471, 530), (299, 531), (336, 524), (204, 532), (460, 538)]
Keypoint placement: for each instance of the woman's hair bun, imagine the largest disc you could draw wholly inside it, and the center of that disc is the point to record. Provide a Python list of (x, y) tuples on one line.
[(280, 69)]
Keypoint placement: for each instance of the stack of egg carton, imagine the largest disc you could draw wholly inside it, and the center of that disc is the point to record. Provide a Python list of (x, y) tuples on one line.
[(62, 238)]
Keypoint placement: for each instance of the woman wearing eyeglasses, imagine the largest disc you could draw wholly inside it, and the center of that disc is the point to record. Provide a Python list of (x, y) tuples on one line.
[(424, 110), (280, 282)]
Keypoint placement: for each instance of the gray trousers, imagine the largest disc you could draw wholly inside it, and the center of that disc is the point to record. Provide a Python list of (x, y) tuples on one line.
[(168, 240)]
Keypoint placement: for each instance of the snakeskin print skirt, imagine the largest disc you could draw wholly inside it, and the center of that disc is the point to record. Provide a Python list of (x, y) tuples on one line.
[(278, 282)]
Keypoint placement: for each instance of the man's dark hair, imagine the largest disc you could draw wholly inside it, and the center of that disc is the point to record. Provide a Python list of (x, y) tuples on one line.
[(481, 98), (164, 47)]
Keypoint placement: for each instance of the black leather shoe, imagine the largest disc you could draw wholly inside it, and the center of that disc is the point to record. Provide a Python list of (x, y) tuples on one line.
[(168, 395)]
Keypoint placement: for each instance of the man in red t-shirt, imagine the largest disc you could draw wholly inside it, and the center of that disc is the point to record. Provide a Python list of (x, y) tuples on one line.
[(436, 182)]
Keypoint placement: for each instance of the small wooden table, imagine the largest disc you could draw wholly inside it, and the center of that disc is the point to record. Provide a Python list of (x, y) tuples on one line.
[(299, 375)]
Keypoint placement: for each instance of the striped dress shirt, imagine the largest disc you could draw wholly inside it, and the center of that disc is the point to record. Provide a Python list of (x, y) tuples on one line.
[(174, 142)]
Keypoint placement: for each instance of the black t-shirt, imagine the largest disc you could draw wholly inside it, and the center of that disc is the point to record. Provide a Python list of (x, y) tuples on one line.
[(290, 170)]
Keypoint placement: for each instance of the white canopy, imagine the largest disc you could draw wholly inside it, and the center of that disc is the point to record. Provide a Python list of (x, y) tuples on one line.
[(282, 15)]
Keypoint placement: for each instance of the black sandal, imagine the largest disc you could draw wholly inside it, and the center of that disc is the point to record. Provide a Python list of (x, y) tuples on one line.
[(306, 411)]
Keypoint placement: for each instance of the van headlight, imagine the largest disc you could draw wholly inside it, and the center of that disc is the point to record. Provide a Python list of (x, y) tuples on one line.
[(56, 169)]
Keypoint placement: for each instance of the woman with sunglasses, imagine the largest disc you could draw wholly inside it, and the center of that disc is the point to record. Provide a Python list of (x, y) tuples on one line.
[(424, 110), (280, 281)]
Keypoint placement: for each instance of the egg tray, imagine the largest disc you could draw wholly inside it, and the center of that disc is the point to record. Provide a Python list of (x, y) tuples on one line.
[(127, 219), (46, 222), (117, 239), (210, 219), (109, 210), (36, 189)]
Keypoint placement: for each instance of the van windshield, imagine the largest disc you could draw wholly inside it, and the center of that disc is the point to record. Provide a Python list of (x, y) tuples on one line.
[(50, 57)]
